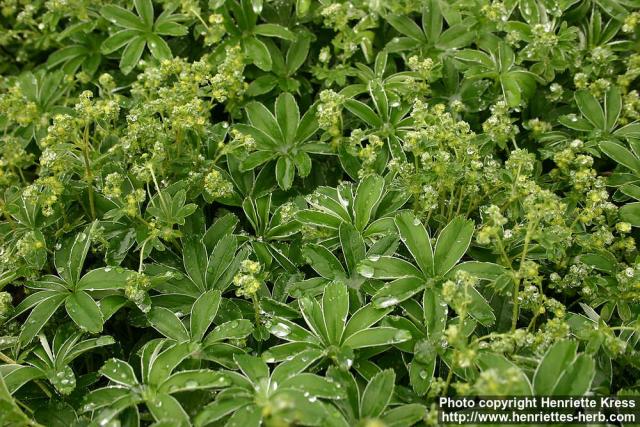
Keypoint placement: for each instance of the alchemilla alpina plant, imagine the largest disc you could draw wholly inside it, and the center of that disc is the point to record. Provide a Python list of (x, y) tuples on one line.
[(314, 212)]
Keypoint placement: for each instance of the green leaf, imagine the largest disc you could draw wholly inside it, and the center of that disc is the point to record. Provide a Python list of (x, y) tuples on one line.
[(169, 28), (603, 261), (84, 311), (274, 30), (335, 308), (158, 47), (323, 261), (255, 159), (352, 244), (621, 155), (363, 318), (253, 367), (405, 415), (406, 26), (377, 394), (612, 107), (117, 40), (166, 362), (122, 17), (165, 407), (145, 10), (132, 54), (312, 313), (452, 244), (479, 308), (287, 116), (511, 90), (296, 364), (69, 260), (632, 130), (219, 409), (308, 126), (416, 239), (386, 267), (631, 213), (222, 226), (249, 416), (120, 372), (297, 53), (421, 374), (11, 412), (285, 172), (168, 324), (261, 118), (303, 163), (258, 53), (203, 312), (590, 108), (19, 376), (553, 364), (194, 380), (368, 194), (471, 57), (233, 329), (435, 313), (314, 385), (630, 190), (456, 37), (397, 291), (40, 315), (363, 112), (194, 255), (481, 270), (105, 278), (374, 337), (576, 379)]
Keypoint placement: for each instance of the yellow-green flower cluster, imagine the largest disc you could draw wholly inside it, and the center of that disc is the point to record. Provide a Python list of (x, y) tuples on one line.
[(45, 192), (499, 127), (216, 185), (133, 201), (216, 30), (456, 292), (136, 289), (248, 279), (329, 112), (113, 185), (228, 83)]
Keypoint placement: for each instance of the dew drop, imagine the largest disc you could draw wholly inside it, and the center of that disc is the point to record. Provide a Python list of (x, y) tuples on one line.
[(365, 271), (280, 330), (387, 302)]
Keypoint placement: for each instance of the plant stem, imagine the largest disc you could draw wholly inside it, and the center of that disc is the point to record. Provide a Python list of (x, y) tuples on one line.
[(516, 290), (88, 172), (448, 381)]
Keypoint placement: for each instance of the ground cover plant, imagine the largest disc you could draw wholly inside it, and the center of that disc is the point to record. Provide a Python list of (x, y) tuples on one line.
[(314, 212)]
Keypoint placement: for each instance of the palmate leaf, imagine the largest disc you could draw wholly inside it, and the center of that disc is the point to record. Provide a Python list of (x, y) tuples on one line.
[(139, 31), (158, 363), (283, 136), (71, 289)]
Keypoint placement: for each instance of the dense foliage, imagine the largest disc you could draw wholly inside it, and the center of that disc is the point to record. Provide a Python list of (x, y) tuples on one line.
[(314, 212)]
